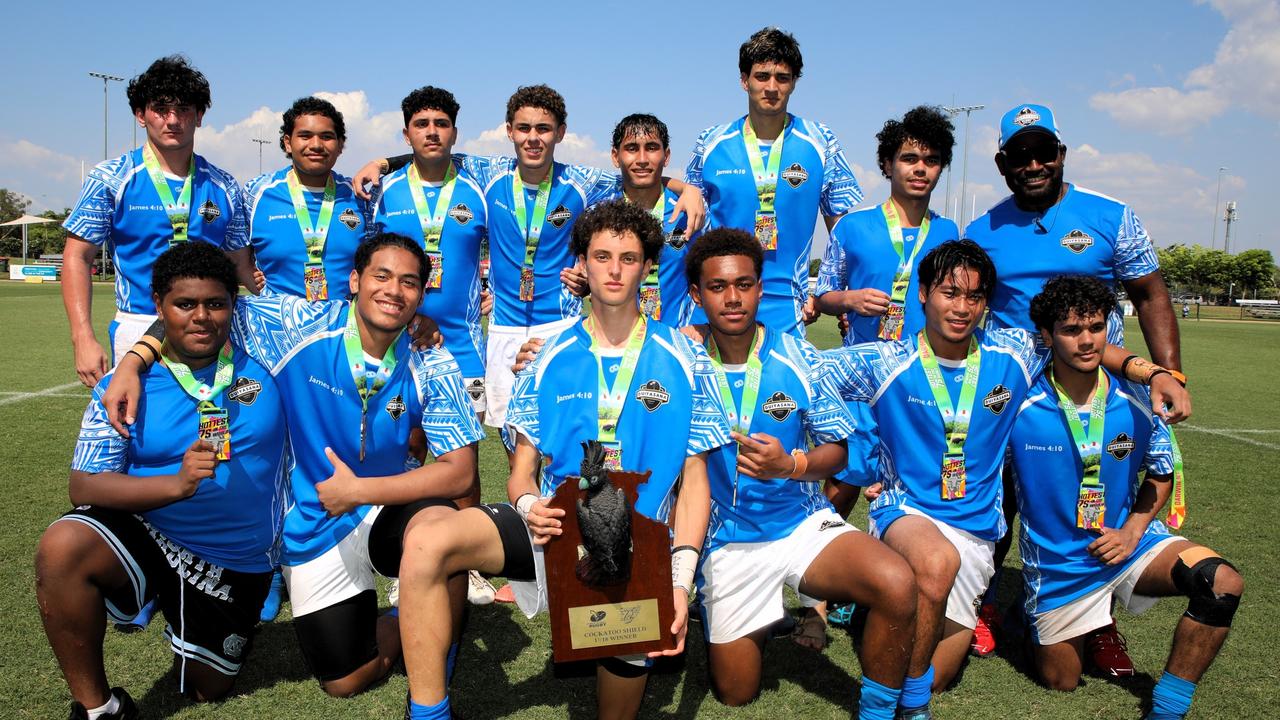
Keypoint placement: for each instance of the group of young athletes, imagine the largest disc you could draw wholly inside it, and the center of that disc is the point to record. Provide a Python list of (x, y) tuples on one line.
[(310, 427)]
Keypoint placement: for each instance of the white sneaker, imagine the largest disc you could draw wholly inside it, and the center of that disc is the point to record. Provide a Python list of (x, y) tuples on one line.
[(393, 593), (479, 590)]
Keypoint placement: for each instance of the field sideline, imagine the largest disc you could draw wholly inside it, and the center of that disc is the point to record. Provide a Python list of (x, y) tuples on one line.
[(1232, 446)]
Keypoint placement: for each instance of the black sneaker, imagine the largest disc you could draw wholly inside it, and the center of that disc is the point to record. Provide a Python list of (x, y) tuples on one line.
[(127, 710)]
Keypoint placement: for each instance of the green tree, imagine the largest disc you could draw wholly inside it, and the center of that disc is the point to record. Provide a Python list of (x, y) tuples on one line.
[(12, 206), (1253, 270)]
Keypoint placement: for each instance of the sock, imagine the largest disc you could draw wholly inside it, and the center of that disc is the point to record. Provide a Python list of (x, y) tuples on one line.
[(439, 711), (878, 702), (112, 705), (1171, 698), (993, 590), (449, 662), (393, 612), (916, 691)]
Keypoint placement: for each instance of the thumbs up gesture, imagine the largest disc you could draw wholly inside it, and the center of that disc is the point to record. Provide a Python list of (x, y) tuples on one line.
[(339, 493)]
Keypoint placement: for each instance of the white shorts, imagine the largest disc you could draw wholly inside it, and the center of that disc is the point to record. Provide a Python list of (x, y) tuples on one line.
[(977, 566), (740, 584), (475, 391), (342, 572), (125, 330), (501, 349), (1093, 610)]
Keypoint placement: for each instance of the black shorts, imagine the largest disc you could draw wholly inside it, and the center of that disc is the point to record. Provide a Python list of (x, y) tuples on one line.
[(223, 604), (517, 547)]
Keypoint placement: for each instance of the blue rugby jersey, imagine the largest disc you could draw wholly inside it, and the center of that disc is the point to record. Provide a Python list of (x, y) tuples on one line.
[(798, 405), (814, 175), (455, 305), (573, 188), (302, 344), (860, 255), (1085, 233), (1056, 565), (119, 203), (234, 517), (889, 376), (278, 247), (678, 414)]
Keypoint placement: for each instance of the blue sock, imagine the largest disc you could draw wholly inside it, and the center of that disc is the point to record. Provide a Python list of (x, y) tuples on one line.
[(439, 711), (393, 612), (449, 662), (916, 691), (1171, 698), (878, 702), (993, 590)]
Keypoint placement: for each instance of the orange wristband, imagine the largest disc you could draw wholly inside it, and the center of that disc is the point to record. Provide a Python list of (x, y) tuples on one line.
[(802, 463)]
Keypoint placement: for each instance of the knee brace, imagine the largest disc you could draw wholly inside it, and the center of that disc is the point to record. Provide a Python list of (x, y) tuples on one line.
[(1196, 582)]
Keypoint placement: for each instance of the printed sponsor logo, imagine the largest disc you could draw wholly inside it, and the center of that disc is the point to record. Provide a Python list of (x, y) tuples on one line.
[(677, 239), (795, 175), (476, 389), (461, 214), (234, 645), (396, 407), (652, 395), (350, 219), (779, 406), (1121, 446), (828, 524), (1026, 116), (1077, 241), (559, 216), (997, 399), (209, 211), (244, 390)]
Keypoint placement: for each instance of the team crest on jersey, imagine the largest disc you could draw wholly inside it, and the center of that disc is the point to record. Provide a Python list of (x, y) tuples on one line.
[(559, 216), (997, 399), (1077, 241), (209, 211), (677, 239), (233, 646), (652, 395), (349, 218), (244, 390), (1121, 446), (476, 389), (396, 407), (1026, 116), (779, 406), (795, 175), (461, 214)]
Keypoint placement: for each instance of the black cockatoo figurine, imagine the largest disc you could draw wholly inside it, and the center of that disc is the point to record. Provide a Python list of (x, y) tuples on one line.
[(605, 520)]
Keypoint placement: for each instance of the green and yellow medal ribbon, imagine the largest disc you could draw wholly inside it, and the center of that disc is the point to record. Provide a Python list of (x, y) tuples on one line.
[(314, 234), (766, 177), (1088, 444), (533, 229), (179, 211), (1178, 500), (213, 423), (739, 417), (365, 387), (891, 322), (610, 399), (955, 419)]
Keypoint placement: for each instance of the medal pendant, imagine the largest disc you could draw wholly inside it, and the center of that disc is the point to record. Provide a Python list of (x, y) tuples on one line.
[(215, 427), (316, 283), (1091, 508), (953, 476), (179, 231), (613, 458), (891, 322), (650, 303), (526, 284), (437, 271), (767, 230)]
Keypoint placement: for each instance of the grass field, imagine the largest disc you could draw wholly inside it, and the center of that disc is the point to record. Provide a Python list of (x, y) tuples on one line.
[(1232, 445)]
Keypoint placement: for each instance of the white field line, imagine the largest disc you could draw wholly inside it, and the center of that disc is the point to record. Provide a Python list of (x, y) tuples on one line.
[(47, 392), (1232, 434)]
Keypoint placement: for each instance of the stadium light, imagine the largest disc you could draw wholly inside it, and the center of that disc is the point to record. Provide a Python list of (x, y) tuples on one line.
[(260, 142), (1217, 197), (964, 173), (105, 80)]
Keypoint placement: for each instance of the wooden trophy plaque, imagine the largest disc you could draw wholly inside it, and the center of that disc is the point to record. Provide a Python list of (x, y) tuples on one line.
[(632, 616)]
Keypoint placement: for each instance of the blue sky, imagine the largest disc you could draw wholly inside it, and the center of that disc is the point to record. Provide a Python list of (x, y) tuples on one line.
[(1152, 97)]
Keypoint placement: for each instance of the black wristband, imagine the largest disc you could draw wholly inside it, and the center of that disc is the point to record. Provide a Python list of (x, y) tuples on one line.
[(678, 548), (1159, 371), (1124, 366)]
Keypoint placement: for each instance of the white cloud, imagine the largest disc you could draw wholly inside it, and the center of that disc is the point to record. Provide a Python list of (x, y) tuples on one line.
[(1245, 72), (50, 179)]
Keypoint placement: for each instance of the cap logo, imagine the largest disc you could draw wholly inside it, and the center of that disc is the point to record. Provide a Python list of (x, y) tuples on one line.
[(1026, 116)]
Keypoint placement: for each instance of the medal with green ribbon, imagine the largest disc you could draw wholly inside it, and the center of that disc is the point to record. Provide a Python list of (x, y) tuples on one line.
[(366, 387), (955, 420), (739, 418), (533, 230), (178, 211), (612, 398), (1091, 506), (766, 183), (1178, 501), (215, 426), (650, 289), (433, 222), (891, 322), (314, 234)]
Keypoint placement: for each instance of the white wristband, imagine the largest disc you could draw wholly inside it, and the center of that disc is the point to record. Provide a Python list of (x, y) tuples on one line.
[(684, 562), (523, 503)]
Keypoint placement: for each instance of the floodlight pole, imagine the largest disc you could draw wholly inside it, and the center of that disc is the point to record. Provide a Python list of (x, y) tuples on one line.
[(1217, 197), (260, 142), (105, 80), (964, 174)]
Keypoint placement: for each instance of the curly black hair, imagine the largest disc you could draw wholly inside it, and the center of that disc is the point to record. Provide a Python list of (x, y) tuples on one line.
[(721, 242), (195, 259), (639, 125), (430, 97), (1064, 295), (618, 216), (927, 126), (541, 97), (169, 80), (952, 255), (378, 241), (311, 106), (768, 45)]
